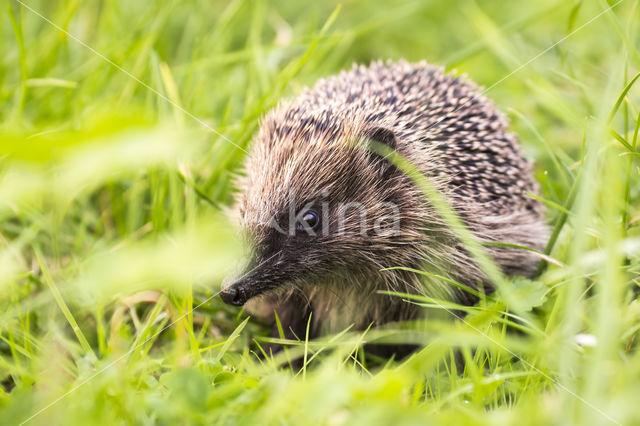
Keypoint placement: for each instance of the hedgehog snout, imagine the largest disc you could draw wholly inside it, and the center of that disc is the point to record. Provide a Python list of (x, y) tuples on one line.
[(232, 296), (260, 277), (240, 291)]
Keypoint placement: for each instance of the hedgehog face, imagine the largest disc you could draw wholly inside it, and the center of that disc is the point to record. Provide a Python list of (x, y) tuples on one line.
[(323, 212)]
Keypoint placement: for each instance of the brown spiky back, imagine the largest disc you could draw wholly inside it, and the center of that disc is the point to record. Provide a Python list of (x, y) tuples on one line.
[(466, 136)]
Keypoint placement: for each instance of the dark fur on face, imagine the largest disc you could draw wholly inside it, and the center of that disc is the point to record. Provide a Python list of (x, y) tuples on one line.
[(324, 214)]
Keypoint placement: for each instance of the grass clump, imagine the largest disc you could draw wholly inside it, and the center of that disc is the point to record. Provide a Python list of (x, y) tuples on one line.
[(121, 127)]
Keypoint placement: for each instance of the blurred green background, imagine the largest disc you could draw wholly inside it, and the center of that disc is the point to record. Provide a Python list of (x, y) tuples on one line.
[(122, 125)]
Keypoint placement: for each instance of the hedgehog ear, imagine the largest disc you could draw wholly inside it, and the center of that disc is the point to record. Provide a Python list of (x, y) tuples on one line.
[(380, 135)]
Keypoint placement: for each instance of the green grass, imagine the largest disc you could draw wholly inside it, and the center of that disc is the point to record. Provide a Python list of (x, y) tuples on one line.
[(112, 224)]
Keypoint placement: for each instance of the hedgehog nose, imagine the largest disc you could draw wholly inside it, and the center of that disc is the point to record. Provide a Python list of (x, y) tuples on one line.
[(232, 296)]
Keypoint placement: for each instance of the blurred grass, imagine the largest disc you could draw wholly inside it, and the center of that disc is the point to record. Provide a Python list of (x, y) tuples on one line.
[(112, 201)]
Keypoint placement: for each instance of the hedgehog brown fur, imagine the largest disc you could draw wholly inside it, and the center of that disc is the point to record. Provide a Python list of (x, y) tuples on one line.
[(303, 158)]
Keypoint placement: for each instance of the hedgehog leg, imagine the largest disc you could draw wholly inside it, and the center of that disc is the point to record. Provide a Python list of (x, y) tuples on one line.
[(293, 311), (386, 352)]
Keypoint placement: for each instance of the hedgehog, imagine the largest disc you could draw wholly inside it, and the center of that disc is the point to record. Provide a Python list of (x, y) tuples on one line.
[(325, 216)]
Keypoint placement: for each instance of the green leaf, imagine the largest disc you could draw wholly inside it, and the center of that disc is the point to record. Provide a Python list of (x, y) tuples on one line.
[(525, 294)]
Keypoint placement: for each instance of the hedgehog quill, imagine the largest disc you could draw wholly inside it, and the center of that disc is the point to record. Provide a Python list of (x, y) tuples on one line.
[(324, 214)]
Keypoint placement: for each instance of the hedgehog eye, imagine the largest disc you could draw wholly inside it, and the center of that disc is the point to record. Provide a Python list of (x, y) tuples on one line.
[(309, 219)]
